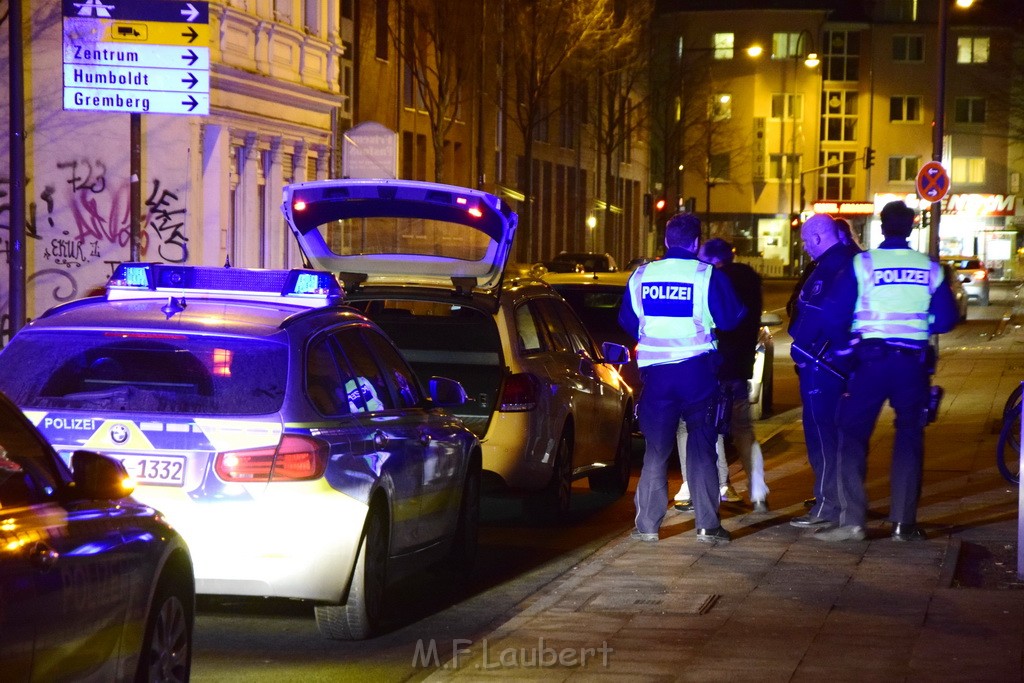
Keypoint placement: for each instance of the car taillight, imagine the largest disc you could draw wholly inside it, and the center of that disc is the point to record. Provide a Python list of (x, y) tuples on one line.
[(519, 393), (295, 458), (979, 275)]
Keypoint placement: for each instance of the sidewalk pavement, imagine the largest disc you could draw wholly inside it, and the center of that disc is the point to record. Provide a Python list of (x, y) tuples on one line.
[(776, 605)]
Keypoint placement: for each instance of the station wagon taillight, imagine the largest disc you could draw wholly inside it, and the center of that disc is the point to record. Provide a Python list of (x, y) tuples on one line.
[(519, 394), (295, 458)]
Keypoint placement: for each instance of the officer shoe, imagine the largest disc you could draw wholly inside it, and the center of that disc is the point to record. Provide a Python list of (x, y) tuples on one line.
[(683, 505), (840, 533), (638, 535), (760, 506), (809, 521), (908, 532), (715, 535)]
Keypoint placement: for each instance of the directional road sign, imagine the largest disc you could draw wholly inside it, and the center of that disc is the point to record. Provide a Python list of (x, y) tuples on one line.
[(150, 57), (932, 181)]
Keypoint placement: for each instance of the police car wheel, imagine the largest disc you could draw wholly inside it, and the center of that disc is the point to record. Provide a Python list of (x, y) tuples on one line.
[(167, 641), (360, 616), (615, 479)]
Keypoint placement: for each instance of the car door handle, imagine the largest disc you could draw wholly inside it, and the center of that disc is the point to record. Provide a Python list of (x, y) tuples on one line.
[(380, 439), (43, 556)]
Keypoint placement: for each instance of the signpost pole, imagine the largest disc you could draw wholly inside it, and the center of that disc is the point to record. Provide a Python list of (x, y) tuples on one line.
[(937, 127), (17, 305), (135, 171)]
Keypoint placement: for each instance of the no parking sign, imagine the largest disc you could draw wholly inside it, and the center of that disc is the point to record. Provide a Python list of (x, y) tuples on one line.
[(932, 181)]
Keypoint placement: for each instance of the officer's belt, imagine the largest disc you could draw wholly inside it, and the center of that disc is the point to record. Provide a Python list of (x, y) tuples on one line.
[(891, 345)]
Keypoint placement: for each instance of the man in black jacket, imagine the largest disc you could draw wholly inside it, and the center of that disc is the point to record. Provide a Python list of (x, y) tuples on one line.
[(821, 335)]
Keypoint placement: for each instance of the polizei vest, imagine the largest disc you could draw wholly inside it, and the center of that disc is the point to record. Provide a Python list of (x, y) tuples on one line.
[(894, 291), (670, 298)]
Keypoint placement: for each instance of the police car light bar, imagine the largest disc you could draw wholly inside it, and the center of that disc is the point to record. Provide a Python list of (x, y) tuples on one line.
[(298, 287)]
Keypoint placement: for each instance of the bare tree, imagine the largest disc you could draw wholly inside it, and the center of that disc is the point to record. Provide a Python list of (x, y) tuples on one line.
[(621, 64), (540, 38), (439, 44)]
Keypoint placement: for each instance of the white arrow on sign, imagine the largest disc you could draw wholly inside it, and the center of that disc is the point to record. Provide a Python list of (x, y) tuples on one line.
[(191, 13)]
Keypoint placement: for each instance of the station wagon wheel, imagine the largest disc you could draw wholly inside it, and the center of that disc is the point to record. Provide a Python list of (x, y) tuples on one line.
[(167, 641), (615, 479), (360, 616), (551, 504)]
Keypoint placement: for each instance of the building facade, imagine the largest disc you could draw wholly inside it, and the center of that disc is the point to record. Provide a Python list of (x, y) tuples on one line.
[(830, 108), (288, 79)]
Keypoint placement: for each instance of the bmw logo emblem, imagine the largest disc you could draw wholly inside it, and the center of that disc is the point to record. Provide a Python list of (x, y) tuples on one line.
[(119, 433)]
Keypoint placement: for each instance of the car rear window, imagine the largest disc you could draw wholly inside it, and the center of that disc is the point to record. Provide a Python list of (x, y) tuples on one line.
[(152, 373)]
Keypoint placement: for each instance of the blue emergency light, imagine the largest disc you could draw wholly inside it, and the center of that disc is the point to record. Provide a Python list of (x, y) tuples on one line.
[(309, 288)]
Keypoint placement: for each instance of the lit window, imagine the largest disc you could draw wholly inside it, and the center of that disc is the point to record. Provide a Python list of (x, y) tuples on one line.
[(724, 44), (720, 107), (788, 45), (968, 170), (972, 50)]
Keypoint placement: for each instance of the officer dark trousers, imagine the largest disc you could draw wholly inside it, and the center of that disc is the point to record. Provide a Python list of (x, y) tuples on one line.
[(900, 375), (672, 391), (820, 391)]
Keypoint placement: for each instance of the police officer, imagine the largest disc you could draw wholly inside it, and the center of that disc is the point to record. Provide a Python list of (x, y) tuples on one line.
[(902, 297), (820, 328), (671, 306)]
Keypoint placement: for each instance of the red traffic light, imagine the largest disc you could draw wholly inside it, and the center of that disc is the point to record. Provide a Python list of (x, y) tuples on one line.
[(660, 204)]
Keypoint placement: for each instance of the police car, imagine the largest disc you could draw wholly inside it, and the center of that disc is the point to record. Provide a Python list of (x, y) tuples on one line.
[(280, 432), (93, 584), (426, 262)]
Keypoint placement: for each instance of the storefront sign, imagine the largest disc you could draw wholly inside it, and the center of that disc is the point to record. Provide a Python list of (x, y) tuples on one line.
[(960, 204), (845, 208), (981, 204)]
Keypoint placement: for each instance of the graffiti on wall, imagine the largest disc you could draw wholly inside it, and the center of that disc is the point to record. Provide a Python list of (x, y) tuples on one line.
[(80, 223)]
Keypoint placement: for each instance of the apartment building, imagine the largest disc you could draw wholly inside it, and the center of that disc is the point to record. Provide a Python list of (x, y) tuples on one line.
[(829, 106)]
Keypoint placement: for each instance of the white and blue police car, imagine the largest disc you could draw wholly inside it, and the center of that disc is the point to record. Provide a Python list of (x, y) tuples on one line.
[(279, 431)]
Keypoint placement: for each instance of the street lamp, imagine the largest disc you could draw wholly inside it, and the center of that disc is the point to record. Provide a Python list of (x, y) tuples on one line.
[(940, 113)]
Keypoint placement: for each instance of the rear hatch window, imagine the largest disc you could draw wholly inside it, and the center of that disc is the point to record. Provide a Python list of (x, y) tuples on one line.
[(447, 340), (151, 373)]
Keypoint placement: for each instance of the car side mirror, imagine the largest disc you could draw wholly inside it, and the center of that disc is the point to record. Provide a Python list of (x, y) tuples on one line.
[(447, 392), (769, 319), (613, 353), (98, 477)]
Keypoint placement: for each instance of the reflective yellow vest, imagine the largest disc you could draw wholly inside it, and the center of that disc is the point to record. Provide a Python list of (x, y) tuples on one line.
[(670, 298), (894, 291)]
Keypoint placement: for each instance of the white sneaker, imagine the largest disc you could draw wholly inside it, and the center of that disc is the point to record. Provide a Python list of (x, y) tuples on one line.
[(684, 492)]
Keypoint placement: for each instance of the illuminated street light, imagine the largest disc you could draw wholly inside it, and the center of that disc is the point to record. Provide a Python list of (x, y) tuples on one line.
[(940, 114)]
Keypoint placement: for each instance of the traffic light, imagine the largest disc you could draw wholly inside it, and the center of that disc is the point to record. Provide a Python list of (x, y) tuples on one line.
[(659, 205), (869, 157), (648, 203), (794, 221)]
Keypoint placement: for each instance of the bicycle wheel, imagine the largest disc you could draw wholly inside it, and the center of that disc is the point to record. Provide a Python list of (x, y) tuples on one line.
[(1008, 448), (1013, 402)]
